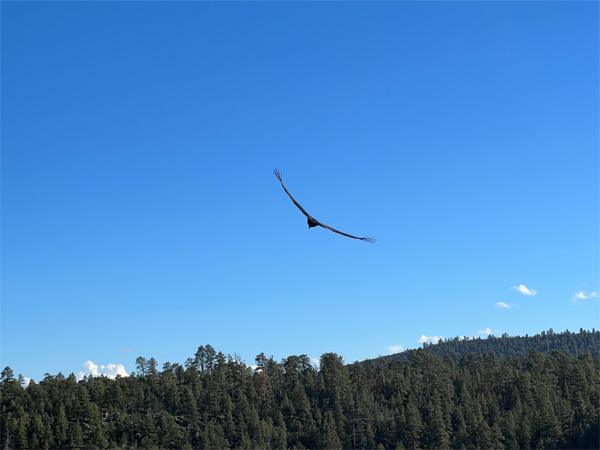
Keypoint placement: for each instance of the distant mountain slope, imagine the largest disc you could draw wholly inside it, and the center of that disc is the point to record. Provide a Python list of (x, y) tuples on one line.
[(546, 342)]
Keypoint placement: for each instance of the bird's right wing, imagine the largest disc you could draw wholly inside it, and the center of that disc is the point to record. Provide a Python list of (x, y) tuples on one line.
[(368, 239), (278, 175)]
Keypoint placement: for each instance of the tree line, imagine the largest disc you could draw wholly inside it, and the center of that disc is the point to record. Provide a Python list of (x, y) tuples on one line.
[(217, 401), (504, 345)]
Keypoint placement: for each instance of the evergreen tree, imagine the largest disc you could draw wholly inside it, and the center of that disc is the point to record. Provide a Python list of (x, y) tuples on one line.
[(75, 436), (330, 440)]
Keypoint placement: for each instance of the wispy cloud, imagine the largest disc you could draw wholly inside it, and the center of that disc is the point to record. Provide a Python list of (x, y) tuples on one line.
[(431, 339), (395, 348), (110, 370), (128, 350), (581, 295), (502, 305), (488, 330), (524, 290)]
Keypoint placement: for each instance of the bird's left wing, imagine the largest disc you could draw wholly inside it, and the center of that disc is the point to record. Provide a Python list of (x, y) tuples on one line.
[(278, 175)]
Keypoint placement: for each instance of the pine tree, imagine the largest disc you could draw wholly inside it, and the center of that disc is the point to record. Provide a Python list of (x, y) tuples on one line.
[(21, 440), (414, 426), (149, 432), (7, 375), (141, 365), (435, 430), (152, 367), (331, 440), (75, 436), (280, 438)]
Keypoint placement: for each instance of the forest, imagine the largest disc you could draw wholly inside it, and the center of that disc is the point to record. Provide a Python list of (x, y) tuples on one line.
[(424, 401), (545, 342)]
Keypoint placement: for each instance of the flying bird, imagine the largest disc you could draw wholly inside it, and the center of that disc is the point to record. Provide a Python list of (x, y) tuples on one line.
[(312, 222)]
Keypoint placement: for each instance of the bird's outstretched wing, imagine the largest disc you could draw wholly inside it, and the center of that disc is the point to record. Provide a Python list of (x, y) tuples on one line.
[(278, 175), (368, 239)]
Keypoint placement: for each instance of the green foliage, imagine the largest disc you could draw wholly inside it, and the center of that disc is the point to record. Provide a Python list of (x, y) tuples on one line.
[(546, 342), (218, 402)]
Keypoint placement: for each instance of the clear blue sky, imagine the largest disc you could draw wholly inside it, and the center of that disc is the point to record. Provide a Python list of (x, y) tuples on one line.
[(141, 217)]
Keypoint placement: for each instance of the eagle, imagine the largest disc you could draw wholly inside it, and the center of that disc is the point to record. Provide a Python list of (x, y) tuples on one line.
[(312, 222)]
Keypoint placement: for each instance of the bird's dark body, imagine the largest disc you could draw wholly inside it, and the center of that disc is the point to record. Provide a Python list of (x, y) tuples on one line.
[(312, 222)]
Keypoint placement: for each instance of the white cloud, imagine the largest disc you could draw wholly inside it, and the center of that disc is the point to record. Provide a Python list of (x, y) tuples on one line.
[(26, 382), (110, 370), (316, 362), (502, 305), (432, 339), (488, 330), (395, 348), (524, 290), (581, 295)]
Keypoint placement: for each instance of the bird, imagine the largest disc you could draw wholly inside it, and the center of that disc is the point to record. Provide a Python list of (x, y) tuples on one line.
[(312, 222)]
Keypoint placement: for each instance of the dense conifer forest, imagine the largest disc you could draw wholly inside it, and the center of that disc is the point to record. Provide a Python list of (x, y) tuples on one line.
[(215, 401), (505, 345)]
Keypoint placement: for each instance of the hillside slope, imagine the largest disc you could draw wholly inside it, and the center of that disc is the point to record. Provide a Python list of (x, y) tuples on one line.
[(218, 401), (546, 342)]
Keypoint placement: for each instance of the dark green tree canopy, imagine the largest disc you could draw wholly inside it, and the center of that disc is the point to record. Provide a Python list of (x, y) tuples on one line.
[(481, 400)]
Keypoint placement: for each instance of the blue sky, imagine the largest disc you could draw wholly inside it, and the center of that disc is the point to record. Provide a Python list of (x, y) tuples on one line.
[(141, 217)]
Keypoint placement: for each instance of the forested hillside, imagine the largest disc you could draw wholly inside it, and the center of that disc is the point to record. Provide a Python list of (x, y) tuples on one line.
[(546, 342), (215, 401)]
